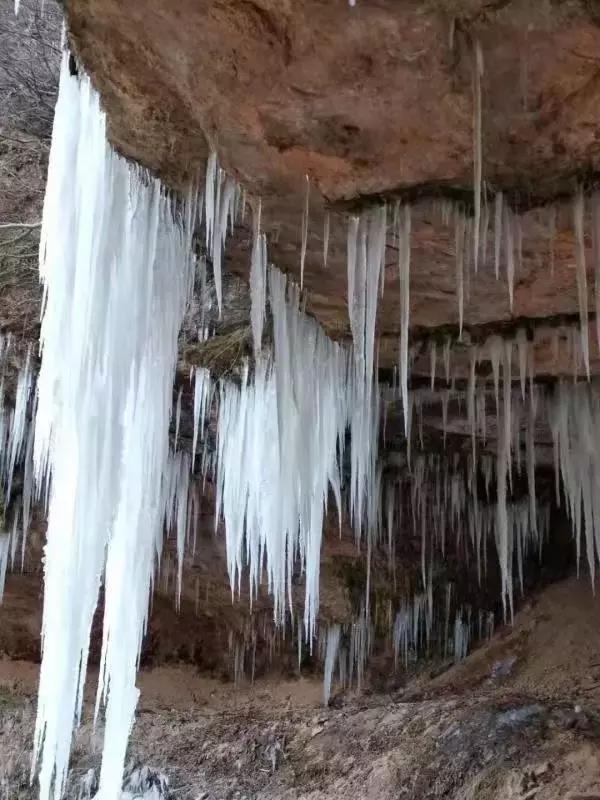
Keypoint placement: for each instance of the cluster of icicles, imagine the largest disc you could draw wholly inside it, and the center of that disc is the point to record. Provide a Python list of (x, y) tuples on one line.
[(117, 263), (16, 454), (117, 266)]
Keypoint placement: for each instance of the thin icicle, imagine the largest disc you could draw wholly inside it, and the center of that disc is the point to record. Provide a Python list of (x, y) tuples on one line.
[(522, 350), (582, 292), (432, 361), (258, 284), (497, 232), (459, 238), (477, 149), (509, 247), (404, 235), (304, 231), (447, 348), (596, 257), (202, 397), (326, 227)]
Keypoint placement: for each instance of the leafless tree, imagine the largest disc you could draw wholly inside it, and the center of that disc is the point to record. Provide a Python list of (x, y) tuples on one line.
[(29, 65)]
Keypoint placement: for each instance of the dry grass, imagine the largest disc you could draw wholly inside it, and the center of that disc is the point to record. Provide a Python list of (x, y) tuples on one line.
[(224, 353)]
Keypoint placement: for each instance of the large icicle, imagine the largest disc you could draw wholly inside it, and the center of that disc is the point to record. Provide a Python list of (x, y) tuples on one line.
[(477, 149), (115, 270), (404, 268)]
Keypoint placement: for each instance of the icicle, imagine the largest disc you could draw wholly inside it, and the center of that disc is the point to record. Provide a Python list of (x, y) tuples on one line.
[(326, 226), (582, 292), (496, 347), (304, 232), (4, 553), (485, 226), (477, 149), (509, 246), (521, 339), (331, 655), (114, 266), (433, 358), (404, 266), (27, 491), (459, 238), (530, 446), (497, 232), (471, 397), (258, 284), (18, 427), (445, 398), (447, 346), (202, 395), (507, 394), (596, 257)]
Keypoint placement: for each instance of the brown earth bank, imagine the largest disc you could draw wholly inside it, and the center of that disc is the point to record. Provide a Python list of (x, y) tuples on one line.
[(533, 730)]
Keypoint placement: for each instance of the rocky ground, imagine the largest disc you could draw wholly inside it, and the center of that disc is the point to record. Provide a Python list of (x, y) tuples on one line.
[(520, 718)]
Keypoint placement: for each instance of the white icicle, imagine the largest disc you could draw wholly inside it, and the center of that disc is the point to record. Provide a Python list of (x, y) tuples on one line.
[(509, 247), (497, 232), (4, 554), (459, 239), (115, 272), (404, 235), (596, 257), (258, 284), (447, 348), (18, 427), (432, 359), (202, 397), (522, 348), (477, 148), (304, 231), (326, 226)]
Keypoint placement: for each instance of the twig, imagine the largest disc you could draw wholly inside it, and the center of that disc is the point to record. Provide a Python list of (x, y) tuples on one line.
[(6, 225)]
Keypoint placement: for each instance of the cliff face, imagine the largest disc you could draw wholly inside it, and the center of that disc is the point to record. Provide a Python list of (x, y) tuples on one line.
[(371, 102)]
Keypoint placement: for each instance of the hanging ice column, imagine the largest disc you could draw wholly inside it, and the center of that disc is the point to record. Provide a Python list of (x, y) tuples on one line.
[(280, 439), (115, 266)]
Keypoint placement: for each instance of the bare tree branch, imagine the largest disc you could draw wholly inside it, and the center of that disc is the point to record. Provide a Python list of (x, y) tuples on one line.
[(5, 225)]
